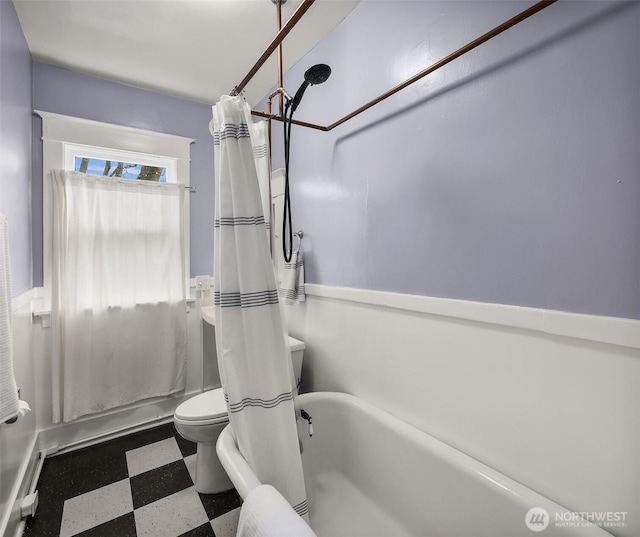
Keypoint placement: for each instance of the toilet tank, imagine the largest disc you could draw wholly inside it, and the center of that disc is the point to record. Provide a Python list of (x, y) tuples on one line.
[(208, 316)]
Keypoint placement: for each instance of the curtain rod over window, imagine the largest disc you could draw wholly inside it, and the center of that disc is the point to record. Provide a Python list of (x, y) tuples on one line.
[(306, 4)]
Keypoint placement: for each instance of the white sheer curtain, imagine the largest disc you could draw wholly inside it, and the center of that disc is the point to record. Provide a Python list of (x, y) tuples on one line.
[(118, 304), (253, 356)]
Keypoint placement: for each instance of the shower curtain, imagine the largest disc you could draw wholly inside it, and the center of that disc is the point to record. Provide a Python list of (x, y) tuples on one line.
[(253, 354), (118, 302)]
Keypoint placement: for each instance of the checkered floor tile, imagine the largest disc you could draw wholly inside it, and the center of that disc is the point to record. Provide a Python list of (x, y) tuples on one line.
[(135, 486)]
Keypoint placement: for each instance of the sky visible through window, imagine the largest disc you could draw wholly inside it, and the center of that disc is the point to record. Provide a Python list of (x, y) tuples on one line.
[(125, 170)]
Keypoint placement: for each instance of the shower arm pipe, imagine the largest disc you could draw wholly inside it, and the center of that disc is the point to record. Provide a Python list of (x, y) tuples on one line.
[(269, 115), (280, 89), (434, 67), (278, 4), (297, 15), (280, 68), (283, 94)]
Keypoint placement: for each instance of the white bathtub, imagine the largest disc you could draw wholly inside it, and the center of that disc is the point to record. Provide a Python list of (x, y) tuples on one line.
[(370, 474)]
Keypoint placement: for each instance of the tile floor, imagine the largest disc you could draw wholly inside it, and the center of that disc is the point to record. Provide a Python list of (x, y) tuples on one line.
[(136, 486)]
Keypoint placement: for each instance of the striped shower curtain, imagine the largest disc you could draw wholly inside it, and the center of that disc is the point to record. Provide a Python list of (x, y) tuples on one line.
[(254, 359)]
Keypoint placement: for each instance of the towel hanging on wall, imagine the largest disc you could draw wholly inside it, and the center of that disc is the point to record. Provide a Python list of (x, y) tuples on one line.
[(292, 281), (9, 404)]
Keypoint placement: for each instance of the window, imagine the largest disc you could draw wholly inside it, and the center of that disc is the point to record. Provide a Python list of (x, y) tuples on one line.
[(125, 170), (94, 147), (122, 164)]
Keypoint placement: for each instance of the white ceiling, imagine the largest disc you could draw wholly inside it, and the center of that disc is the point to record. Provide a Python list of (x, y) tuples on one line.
[(196, 49)]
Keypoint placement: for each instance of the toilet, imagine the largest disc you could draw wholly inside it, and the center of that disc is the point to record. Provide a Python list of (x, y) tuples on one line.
[(201, 420)]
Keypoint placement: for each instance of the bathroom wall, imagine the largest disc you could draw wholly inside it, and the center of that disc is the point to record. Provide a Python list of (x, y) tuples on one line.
[(473, 243), (15, 144), (509, 176), (65, 92), (17, 441)]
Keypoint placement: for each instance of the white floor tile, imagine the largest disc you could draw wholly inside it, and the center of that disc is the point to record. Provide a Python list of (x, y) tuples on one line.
[(171, 516), (152, 456), (96, 507), (226, 525), (190, 461)]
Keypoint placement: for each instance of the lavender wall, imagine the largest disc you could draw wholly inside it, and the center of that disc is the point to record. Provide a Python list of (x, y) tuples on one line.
[(510, 176), (15, 144), (65, 92)]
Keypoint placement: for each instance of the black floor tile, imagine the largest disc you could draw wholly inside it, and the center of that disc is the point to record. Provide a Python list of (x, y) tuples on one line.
[(216, 505), (48, 517), (123, 526), (201, 531), (143, 438), (84, 470), (159, 482)]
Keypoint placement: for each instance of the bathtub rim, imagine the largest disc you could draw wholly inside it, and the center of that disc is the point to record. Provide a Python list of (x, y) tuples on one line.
[(244, 479)]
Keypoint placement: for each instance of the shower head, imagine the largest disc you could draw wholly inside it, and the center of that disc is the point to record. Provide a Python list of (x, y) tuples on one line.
[(313, 76), (317, 74)]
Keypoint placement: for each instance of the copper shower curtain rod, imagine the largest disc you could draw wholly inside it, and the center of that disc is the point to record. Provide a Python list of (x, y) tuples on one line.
[(302, 9)]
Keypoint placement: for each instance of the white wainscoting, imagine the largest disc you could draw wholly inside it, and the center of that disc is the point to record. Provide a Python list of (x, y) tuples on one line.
[(18, 450), (89, 429), (550, 399)]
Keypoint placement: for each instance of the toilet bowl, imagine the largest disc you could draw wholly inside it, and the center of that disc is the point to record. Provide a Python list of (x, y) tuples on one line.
[(201, 420)]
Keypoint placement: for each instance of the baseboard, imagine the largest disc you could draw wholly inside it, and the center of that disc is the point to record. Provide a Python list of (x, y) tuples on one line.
[(106, 436), (98, 428)]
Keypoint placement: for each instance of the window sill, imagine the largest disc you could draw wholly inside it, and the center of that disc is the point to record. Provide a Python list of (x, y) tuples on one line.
[(45, 314)]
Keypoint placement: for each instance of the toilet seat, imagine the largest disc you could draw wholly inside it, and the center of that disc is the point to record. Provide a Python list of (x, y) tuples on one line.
[(203, 409)]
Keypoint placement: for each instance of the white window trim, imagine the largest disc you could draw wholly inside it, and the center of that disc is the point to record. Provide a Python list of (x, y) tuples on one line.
[(62, 135)]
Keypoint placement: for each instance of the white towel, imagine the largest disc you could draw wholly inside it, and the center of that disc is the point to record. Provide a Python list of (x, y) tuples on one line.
[(265, 513), (23, 408), (9, 403), (292, 282)]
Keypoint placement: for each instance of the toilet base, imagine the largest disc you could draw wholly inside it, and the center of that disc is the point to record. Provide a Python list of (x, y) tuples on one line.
[(211, 477)]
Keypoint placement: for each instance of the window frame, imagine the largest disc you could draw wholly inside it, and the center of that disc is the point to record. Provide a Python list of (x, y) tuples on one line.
[(63, 135)]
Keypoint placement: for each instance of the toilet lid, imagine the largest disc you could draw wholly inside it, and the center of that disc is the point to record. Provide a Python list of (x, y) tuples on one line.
[(295, 344), (205, 406)]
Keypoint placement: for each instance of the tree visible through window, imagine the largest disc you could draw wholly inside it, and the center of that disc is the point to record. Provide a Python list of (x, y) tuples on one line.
[(124, 170)]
